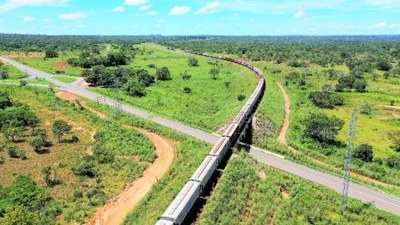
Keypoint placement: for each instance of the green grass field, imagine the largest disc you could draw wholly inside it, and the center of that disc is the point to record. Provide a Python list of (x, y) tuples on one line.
[(372, 129), (249, 193), (211, 102), (62, 157)]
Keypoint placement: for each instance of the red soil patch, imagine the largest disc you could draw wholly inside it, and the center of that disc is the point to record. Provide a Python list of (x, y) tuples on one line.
[(61, 64), (20, 55)]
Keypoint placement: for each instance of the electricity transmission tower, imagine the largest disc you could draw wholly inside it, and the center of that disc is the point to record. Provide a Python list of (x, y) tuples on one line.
[(348, 160), (117, 103)]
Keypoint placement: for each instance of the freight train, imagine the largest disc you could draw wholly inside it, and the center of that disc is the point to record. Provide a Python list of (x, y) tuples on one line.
[(187, 197)]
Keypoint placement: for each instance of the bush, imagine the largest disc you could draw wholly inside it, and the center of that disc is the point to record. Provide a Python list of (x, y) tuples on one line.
[(5, 100), (241, 97), (193, 62), (185, 75), (383, 65), (394, 161), (345, 82), (3, 74), (38, 143), (360, 85), (324, 99), (85, 168), (366, 109), (187, 90), (134, 88), (23, 83), (60, 128), (322, 128), (144, 77), (51, 53), (1, 159), (163, 74), (364, 152)]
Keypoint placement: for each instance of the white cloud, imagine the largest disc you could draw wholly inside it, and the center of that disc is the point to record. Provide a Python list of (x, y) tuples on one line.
[(46, 20), (180, 10), (299, 14), (136, 2), (384, 25), (74, 16), (144, 7), (1, 20), (209, 8), (13, 4), (152, 13), (27, 18), (118, 9)]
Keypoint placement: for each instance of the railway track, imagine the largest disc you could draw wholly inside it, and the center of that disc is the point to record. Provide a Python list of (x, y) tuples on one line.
[(362, 192), (183, 203)]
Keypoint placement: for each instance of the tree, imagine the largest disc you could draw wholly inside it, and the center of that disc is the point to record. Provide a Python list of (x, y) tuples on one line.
[(5, 100), (3, 74), (193, 62), (144, 77), (364, 152), (325, 99), (51, 53), (322, 128), (187, 90), (360, 85), (163, 73), (23, 83), (19, 215), (60, 128), (345, 82), (214, 72), (134, 88), (50, 176), (38, 143), (384, 65), (394, 161)]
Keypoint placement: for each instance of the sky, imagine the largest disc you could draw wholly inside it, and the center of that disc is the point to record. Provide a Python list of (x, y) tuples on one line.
[(200, 17)]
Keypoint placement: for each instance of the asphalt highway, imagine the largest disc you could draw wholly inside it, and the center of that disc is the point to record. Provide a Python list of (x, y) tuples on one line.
[(357, 191)]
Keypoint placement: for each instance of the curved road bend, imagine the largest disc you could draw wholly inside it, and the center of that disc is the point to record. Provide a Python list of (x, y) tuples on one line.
[(363, 193)]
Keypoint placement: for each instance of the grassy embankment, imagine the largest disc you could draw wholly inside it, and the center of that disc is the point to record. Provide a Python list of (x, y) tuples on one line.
[(249, 193)]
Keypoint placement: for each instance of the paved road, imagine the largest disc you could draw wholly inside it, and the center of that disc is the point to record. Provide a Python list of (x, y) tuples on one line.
[(379, 199)]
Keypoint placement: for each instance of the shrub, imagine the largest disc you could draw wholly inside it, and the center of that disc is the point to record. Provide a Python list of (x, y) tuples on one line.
[(85, 168), (163, 74), (187, 90), (38, 143), (185, 75), (345, 82), (145, 78), (51, 53), (364, 152), (193, 62), (13, 152), (23, 83), (324, 99), (3, 74), (60, 128), (134, 88), (5, 100), (1, 159), (366, 109), (322, 128), (241, 97), (394, 161), (383, 65), (360, 85)]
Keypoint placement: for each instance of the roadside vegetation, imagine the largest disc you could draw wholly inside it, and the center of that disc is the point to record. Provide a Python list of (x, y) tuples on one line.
[(258, 194), (61, 157)]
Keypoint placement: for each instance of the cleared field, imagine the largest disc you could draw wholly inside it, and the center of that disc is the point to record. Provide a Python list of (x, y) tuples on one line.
[(211, 102), (52, 65), (258, 194), (77, 193)]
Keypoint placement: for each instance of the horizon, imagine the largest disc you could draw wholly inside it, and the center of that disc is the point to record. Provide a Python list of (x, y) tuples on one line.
[(196, 18)]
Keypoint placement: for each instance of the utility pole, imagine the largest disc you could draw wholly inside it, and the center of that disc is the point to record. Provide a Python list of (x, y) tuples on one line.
[(348, 160)]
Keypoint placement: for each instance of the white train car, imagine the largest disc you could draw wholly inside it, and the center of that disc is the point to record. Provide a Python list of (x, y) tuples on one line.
[(219, 150), (182, 203), (205, 171)]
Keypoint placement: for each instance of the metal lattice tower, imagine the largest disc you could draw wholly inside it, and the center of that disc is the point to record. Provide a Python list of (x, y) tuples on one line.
[(348, 160), (117, 102)]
